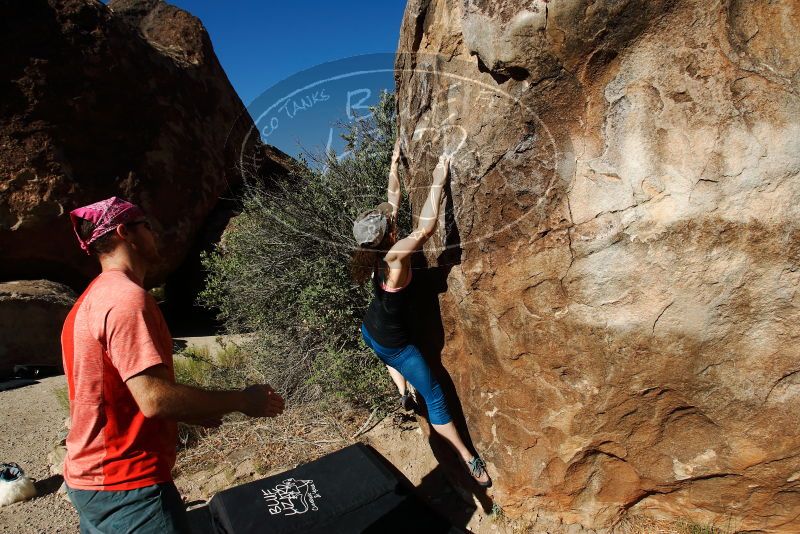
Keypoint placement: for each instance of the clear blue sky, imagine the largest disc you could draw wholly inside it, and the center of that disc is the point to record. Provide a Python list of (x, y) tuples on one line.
[(262, 43)]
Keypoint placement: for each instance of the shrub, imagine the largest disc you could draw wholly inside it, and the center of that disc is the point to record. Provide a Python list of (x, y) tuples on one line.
[(282, 273), (225, 369)]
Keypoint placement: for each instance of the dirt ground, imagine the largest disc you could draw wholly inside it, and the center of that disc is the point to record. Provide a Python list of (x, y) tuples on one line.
[(33, 422)]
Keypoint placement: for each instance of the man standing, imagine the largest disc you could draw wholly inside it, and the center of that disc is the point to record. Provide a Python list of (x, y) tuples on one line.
[(124, 402)]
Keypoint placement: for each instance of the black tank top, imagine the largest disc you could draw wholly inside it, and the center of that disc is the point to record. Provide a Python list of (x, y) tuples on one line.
[(386, 318)]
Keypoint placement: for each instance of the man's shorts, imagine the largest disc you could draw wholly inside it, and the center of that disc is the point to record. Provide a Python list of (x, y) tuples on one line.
[(157, 509)]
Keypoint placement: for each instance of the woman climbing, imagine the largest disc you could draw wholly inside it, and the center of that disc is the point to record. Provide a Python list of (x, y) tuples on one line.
[(387, 261)]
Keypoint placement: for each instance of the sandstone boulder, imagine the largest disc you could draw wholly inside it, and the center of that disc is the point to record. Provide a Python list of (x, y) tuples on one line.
[(126, 99), (32, 313), (620, 247)]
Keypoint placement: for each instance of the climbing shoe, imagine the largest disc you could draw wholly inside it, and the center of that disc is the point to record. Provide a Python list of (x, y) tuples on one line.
[(407, 402), (477, 468)]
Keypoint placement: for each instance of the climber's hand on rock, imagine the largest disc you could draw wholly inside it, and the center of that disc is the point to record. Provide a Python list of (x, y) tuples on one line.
[(260, 400)]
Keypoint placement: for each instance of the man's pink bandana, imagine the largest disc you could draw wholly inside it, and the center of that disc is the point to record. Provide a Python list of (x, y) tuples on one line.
[(106, 216)]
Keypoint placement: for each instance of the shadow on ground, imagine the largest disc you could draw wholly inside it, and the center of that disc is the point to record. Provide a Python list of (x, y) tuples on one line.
[(48, 485)]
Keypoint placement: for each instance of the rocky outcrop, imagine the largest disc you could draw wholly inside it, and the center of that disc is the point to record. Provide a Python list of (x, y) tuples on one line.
[(32, 313), (621, 312), (126, 99)]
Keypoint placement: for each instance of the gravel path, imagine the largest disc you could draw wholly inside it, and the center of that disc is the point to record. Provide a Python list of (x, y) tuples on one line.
[(33, 421)]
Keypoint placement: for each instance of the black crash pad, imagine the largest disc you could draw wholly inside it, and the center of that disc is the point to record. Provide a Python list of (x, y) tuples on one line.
[(349, 491)]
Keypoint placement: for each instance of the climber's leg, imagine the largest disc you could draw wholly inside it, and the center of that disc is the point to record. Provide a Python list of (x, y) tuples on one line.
[(398, 379), (450, 434), (391, 357), (414, 367), (474, 464), (409, 365)]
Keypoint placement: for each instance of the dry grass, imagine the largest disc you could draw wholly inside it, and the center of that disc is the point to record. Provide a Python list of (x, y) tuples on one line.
[(301, 434), (304, 432)]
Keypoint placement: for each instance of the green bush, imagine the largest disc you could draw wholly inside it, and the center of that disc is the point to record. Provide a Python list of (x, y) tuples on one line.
[(226, 368), (281, 271)]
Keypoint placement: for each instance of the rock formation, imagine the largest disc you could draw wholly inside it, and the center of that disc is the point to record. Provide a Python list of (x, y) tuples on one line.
[(32, 313), (621, 313), (96, 100)]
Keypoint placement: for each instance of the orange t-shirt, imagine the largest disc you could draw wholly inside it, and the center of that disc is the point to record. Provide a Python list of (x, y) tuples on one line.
[(114, 331)]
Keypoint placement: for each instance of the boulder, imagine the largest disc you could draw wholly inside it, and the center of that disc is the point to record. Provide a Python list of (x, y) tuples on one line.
[(619, 250), (32, 313), (127, 99)]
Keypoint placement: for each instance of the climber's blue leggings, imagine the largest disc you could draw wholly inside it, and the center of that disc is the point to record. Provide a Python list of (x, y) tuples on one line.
[(409, 361)]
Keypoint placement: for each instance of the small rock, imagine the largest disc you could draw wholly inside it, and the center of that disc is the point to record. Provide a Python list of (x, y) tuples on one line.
[(56, 459)]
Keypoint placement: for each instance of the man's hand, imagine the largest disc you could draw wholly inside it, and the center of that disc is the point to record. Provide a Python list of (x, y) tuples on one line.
[(260, 400)]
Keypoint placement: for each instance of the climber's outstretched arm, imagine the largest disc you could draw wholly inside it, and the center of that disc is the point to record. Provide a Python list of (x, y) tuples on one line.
[(393, 192), (428, 217)]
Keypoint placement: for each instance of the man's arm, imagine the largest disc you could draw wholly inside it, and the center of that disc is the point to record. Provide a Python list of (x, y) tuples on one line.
[(393, 190), (158, 396)]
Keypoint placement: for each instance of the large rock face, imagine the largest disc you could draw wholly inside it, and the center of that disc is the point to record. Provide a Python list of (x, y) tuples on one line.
[(621, 316), (95, 101)]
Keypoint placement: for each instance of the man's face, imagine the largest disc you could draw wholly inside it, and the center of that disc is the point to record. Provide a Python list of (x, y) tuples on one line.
[(143, 239)]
